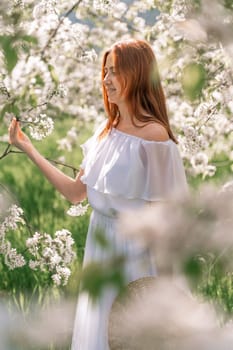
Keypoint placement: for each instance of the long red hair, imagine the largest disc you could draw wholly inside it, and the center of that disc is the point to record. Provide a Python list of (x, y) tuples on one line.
[(135, 62)]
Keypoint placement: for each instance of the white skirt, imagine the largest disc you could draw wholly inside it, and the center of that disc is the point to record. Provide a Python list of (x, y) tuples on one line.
[(91, 321)]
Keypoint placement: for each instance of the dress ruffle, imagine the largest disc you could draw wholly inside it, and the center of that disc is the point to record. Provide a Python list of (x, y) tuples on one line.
[(129, 166)]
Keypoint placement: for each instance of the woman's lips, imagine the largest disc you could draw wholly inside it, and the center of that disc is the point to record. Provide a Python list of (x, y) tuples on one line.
[(110, 90)]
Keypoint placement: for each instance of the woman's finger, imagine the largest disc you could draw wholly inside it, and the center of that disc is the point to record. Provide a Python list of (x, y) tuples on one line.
[(12, 124), (13, 130)]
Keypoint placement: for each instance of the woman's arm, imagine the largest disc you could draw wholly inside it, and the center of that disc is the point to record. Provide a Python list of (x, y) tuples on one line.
[(72, 189)]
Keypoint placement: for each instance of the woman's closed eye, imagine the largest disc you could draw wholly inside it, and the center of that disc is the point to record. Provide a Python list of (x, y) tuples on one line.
[(111, 71)]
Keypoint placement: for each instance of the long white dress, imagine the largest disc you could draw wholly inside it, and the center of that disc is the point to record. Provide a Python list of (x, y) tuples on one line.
[(122, 172)]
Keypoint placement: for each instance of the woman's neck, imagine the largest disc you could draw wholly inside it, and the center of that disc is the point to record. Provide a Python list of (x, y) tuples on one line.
[(124, 116)]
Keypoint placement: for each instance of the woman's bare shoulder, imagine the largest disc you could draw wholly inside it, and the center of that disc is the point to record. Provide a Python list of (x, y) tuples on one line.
[(154, 132)]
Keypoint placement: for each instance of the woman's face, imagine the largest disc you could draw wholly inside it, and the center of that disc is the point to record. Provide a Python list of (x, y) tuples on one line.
[(111, 81)]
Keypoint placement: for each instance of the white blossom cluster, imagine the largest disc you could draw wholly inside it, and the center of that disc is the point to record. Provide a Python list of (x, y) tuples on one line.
[(25, 75), (52, 254), (45, 68), (100, 7), (204, 124), (60, 91), (41, 127), (78, 210), (12, 218), (44, 7)]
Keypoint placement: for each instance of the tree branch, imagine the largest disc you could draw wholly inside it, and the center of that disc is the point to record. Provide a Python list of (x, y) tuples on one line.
[(54, 33)]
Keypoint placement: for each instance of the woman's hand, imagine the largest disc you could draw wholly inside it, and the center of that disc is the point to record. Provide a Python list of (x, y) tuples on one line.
[(73, 189), (17, 136)]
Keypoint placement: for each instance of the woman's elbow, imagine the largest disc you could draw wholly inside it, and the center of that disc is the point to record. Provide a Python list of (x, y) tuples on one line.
[(77, 198)]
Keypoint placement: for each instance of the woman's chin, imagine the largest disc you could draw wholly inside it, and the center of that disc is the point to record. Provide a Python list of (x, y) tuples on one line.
[(111, 100)]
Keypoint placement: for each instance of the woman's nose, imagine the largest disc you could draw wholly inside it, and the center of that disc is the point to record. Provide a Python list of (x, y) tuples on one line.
[(106, 79)]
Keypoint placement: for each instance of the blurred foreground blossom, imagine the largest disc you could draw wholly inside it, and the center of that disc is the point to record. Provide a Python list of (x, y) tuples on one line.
[(40, 328), (227, 188), (181, 229), (162, 314)]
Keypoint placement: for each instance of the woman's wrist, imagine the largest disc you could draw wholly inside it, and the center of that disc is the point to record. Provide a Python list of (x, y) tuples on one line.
[(29, 149)]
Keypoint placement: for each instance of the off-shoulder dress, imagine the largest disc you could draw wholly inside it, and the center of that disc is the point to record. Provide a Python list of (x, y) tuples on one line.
[(122, 172)]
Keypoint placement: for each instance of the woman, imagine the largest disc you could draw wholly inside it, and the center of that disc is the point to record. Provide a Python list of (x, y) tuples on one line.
[(131, 160)]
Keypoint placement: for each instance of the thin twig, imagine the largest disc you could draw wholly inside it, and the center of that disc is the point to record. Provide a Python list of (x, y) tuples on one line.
[(38, 106), (208, 118), (5, 90), (27, 122), (75, 170), (6, 152)]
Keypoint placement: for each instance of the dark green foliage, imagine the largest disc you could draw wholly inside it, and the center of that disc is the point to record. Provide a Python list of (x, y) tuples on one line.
[(218, 288), (228, 4), (10, 53), (9, 44)]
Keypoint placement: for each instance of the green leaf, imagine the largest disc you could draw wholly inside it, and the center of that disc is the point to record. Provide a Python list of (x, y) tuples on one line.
[(53, 74), (39, 80), (29, 39), (33, 100), (10, 53), (193, 267), (27, 42), (193, 80)]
